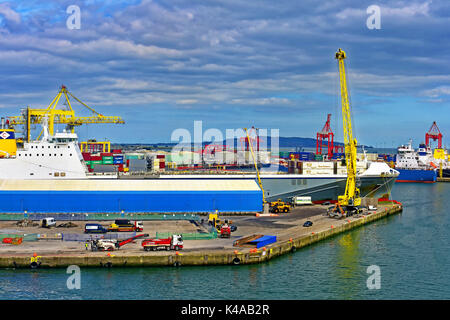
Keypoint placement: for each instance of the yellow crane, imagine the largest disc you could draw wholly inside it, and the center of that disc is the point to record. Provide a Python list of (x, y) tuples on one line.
[(351, 198), (58, 116), (256, 166)]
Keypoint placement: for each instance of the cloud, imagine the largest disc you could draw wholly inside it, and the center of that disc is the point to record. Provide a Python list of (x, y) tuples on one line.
[(403, 11), (181, 59), (8, 13), (437, 92)]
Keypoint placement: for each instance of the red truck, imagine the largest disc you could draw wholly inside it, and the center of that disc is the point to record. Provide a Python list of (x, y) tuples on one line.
[(173, 243), (225, 231)]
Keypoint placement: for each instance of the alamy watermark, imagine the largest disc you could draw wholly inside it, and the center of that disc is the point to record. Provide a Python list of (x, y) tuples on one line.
[(374, 20), (73, 281), (374, 280), (212, 146), (74, 20)]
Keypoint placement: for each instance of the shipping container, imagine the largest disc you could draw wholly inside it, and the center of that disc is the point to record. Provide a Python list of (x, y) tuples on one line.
[(86, 156)]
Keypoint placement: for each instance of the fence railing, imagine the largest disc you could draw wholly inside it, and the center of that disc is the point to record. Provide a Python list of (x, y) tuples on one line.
[(26, 237), (188, 236), (86, 237)]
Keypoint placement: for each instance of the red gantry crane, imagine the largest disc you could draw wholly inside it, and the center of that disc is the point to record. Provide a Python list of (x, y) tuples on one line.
[(327, 134), (435, 134)]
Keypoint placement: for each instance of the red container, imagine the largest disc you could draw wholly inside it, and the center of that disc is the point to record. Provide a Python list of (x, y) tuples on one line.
[(160, 156), (120, 169), (162, 165), (96, 158), (128, 162), (116, 151), (106, 154), (86, 156)]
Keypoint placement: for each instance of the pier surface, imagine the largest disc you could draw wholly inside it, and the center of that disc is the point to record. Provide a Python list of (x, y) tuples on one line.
[(288, 228)]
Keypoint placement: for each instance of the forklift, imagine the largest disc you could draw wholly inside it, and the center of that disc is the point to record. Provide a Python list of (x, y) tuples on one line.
[(279, 206)]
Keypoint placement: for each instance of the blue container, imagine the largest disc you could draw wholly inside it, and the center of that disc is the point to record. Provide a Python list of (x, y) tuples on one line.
[(118, 159), (263, 241)]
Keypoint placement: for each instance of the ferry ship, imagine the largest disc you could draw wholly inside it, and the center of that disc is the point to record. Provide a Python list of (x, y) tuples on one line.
[(49, 175), (415, 166)]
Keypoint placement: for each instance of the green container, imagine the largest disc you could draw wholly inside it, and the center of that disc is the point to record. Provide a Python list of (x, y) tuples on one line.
[(318, 157), (107, 158), (96, 162), (88, 163), (107, 162)]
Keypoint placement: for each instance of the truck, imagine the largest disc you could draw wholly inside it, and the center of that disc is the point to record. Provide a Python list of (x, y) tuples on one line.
[(175, 242), (225, 231), (126, 226), (111, 245), (94, 228)]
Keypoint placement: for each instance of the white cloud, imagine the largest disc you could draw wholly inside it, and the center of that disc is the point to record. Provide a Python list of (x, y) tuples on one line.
[(410, 10), (8, 13), (438, 91)]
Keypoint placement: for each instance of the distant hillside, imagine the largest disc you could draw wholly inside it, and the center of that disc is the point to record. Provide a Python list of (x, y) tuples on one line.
[(284, 142)]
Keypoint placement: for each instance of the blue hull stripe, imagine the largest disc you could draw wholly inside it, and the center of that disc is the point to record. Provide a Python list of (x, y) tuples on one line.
[(417, 175), (130, 201)]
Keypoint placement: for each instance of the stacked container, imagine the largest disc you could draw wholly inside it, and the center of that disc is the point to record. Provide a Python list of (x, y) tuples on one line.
[(162, 161)]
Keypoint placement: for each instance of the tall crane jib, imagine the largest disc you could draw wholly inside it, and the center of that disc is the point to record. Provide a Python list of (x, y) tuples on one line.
[(55, 116), (348, 202)]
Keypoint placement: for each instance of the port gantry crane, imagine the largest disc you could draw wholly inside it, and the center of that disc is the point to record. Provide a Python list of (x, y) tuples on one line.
[(326, 133), (58, 116), (348, 203), (435, 134)]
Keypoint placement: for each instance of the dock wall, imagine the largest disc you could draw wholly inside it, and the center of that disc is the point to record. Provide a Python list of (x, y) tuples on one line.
[(195, 258)]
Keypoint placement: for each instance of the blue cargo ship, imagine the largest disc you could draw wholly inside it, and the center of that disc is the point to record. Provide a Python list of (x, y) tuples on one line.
[(413, 166)]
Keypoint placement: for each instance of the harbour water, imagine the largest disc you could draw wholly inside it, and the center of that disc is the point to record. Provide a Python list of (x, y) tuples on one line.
[(409, 248)]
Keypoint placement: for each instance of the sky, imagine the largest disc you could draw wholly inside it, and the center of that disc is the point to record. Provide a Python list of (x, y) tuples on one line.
[(161, 65)]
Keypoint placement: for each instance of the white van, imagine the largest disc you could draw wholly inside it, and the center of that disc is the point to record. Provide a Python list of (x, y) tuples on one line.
[(48, 222)]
